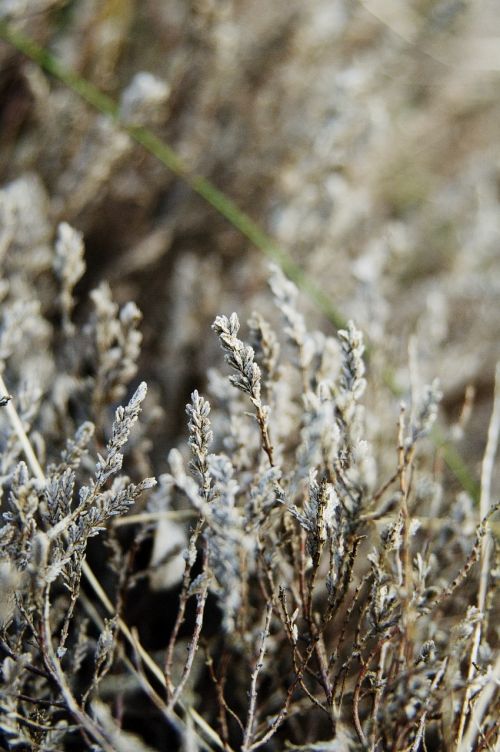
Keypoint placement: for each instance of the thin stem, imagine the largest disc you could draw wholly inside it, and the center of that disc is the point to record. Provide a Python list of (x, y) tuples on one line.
[(32, 724), (378, 696), (193, 645), (485, 551), (170, 715), (54, 667), (264, 431), (285, 618), (171, 514), (470, 561), (359, 683), (181, 610), (18, 427), (224, 709), (280, 717), (249, 727), (405, 458)]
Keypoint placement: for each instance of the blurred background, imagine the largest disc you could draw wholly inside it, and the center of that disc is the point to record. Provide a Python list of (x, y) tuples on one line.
[(362, 135)]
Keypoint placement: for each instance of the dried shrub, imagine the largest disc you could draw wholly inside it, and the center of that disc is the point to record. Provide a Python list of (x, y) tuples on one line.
[(319, 604)]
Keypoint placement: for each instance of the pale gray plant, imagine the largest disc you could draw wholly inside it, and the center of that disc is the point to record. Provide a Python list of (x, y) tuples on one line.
[(314, 591), (69, 265)]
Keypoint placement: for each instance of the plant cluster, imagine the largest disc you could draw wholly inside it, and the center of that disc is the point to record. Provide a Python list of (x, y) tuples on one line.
[(317, 603)]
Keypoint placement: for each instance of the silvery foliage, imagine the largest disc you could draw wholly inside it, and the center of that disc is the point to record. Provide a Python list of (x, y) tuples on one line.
[(43, 544), (50, 515), (352, 382), (426, 412), (224, 546), (70, 484), (69, 265), (214, 496), (239, 356), (97, 504), (286, 297), (200, 438), (266, 347), (118, 343)]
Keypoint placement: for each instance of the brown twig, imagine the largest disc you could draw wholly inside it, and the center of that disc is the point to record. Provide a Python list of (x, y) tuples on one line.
[(181, 610), (201, 599), (359, 683), (249, 726)]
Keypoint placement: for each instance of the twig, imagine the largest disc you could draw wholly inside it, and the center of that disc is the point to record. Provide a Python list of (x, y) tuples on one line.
[(224, 708), (381, 491), (423, 713), (170, 715), (249, 726), (32, 724), (209, 731), (171, 514), (405, 459), (193, 645), (18, 427), (54, 667), (289, 627), (378, 695), (345, 621), (420, 733), (181, 609), (280, 717), (359, 682), (470, 561), (37, 701)]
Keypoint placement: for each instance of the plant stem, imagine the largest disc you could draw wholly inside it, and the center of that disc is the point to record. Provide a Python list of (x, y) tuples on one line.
[(485, 551)]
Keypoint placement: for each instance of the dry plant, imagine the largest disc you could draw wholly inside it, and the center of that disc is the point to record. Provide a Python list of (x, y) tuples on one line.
[(315, 604)]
